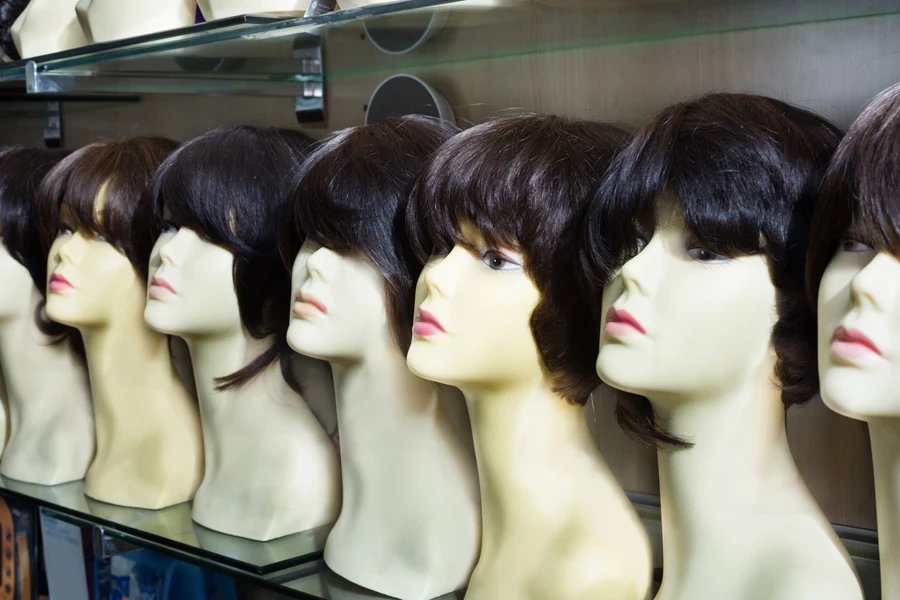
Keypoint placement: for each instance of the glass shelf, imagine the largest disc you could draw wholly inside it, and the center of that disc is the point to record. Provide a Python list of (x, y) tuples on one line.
[(258, 55), (171, 529)]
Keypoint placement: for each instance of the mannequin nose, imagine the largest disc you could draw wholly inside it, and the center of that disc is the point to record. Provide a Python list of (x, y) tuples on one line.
[(438, 274), (637, 274), (319, 262), (68, 250), (877, 283), (168, 250)]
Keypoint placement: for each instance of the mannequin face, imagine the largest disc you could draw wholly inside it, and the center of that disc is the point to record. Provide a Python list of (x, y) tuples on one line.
[(482, 301), (858, 326), (88, 278), (16, 291), (339, 311), (191, 287), (704, 322)]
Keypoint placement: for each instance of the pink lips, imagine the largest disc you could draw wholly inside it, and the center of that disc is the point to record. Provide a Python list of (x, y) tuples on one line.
[(621, 322), (427, 325), (58, 283), (852, 343), (306, 305), (160, 288)]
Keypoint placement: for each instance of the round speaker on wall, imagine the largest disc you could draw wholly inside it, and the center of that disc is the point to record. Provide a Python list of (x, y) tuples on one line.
[(407, 95), (402, 33)]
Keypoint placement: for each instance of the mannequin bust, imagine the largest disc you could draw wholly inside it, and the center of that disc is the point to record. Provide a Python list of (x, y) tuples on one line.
[(409, 525), (51, 420), (221, 9), (93, 212), (110, 20), (47, 27), (855, 273), (216, 281), (499, 318), (703, 325)]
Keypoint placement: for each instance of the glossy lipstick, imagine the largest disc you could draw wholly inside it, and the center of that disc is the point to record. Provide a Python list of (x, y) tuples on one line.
[(852, 343), (621, 322), (427, 324), (308, 306), (160, 288), (58, 283)]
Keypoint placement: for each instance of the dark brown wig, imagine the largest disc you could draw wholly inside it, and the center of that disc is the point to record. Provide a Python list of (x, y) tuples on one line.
[(9, 12), (351, 196), (745, 171), (522, 182), (230, 186), (861, 194), (123, 170), (21, 172)]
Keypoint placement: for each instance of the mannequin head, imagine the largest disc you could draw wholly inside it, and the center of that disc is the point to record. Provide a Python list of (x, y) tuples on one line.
[(94, 211), (22, 263), (698, 232), (492, 220), (215, 269), (854, 267), (343, 237)]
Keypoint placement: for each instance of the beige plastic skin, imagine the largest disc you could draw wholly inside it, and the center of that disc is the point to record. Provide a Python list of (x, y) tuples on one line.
[(149, 443), (51, 421), (738, 521), (111, 20), (860, 290), (271, 469), (410, 522), (557, 526), (221, 9), (46, 27)]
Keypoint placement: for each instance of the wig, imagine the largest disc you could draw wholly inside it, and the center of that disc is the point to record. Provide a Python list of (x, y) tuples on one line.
[(522, 182), (230, 187), (9, 12), (21, 172), (861, 192), (351, 196), (122, 170), (745, 171)]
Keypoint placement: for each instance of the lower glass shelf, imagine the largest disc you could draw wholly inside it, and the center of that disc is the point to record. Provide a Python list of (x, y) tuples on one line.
[(171, 529)]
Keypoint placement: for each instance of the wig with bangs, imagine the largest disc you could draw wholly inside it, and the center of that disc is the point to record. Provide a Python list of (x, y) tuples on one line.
[(230, 187), (21, 172), (351, 196), (861, 194), (522, 182), (745, 171)]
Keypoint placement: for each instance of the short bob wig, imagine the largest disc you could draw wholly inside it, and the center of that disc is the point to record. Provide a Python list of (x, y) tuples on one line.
[(746, 172), (123, 171), (21, 172), (9, 12), (522, 182), (861, 193), (351, 196), (230, 187)]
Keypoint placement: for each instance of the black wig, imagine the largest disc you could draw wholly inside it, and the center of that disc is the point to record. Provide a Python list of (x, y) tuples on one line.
[(230, 187), (745, 171)]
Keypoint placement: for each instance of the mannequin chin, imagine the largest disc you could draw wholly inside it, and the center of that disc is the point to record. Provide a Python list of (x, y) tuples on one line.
[(47, 27), (221, 9), (191, 287), (484, 314), (111, 20), (682, 303), (86, 276), (860, 292), (339, 302)]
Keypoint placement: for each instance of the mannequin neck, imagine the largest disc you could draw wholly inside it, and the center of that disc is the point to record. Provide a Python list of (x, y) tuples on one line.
[(521, 433), (219, 355), (885, 436), (26, 352), (740, 464)]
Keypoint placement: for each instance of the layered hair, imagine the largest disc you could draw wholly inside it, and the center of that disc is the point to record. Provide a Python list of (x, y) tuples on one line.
[(21, 172), (120, 170), (522, 182), (745, 170), (861, 193), (230, 186), (351, 196)]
